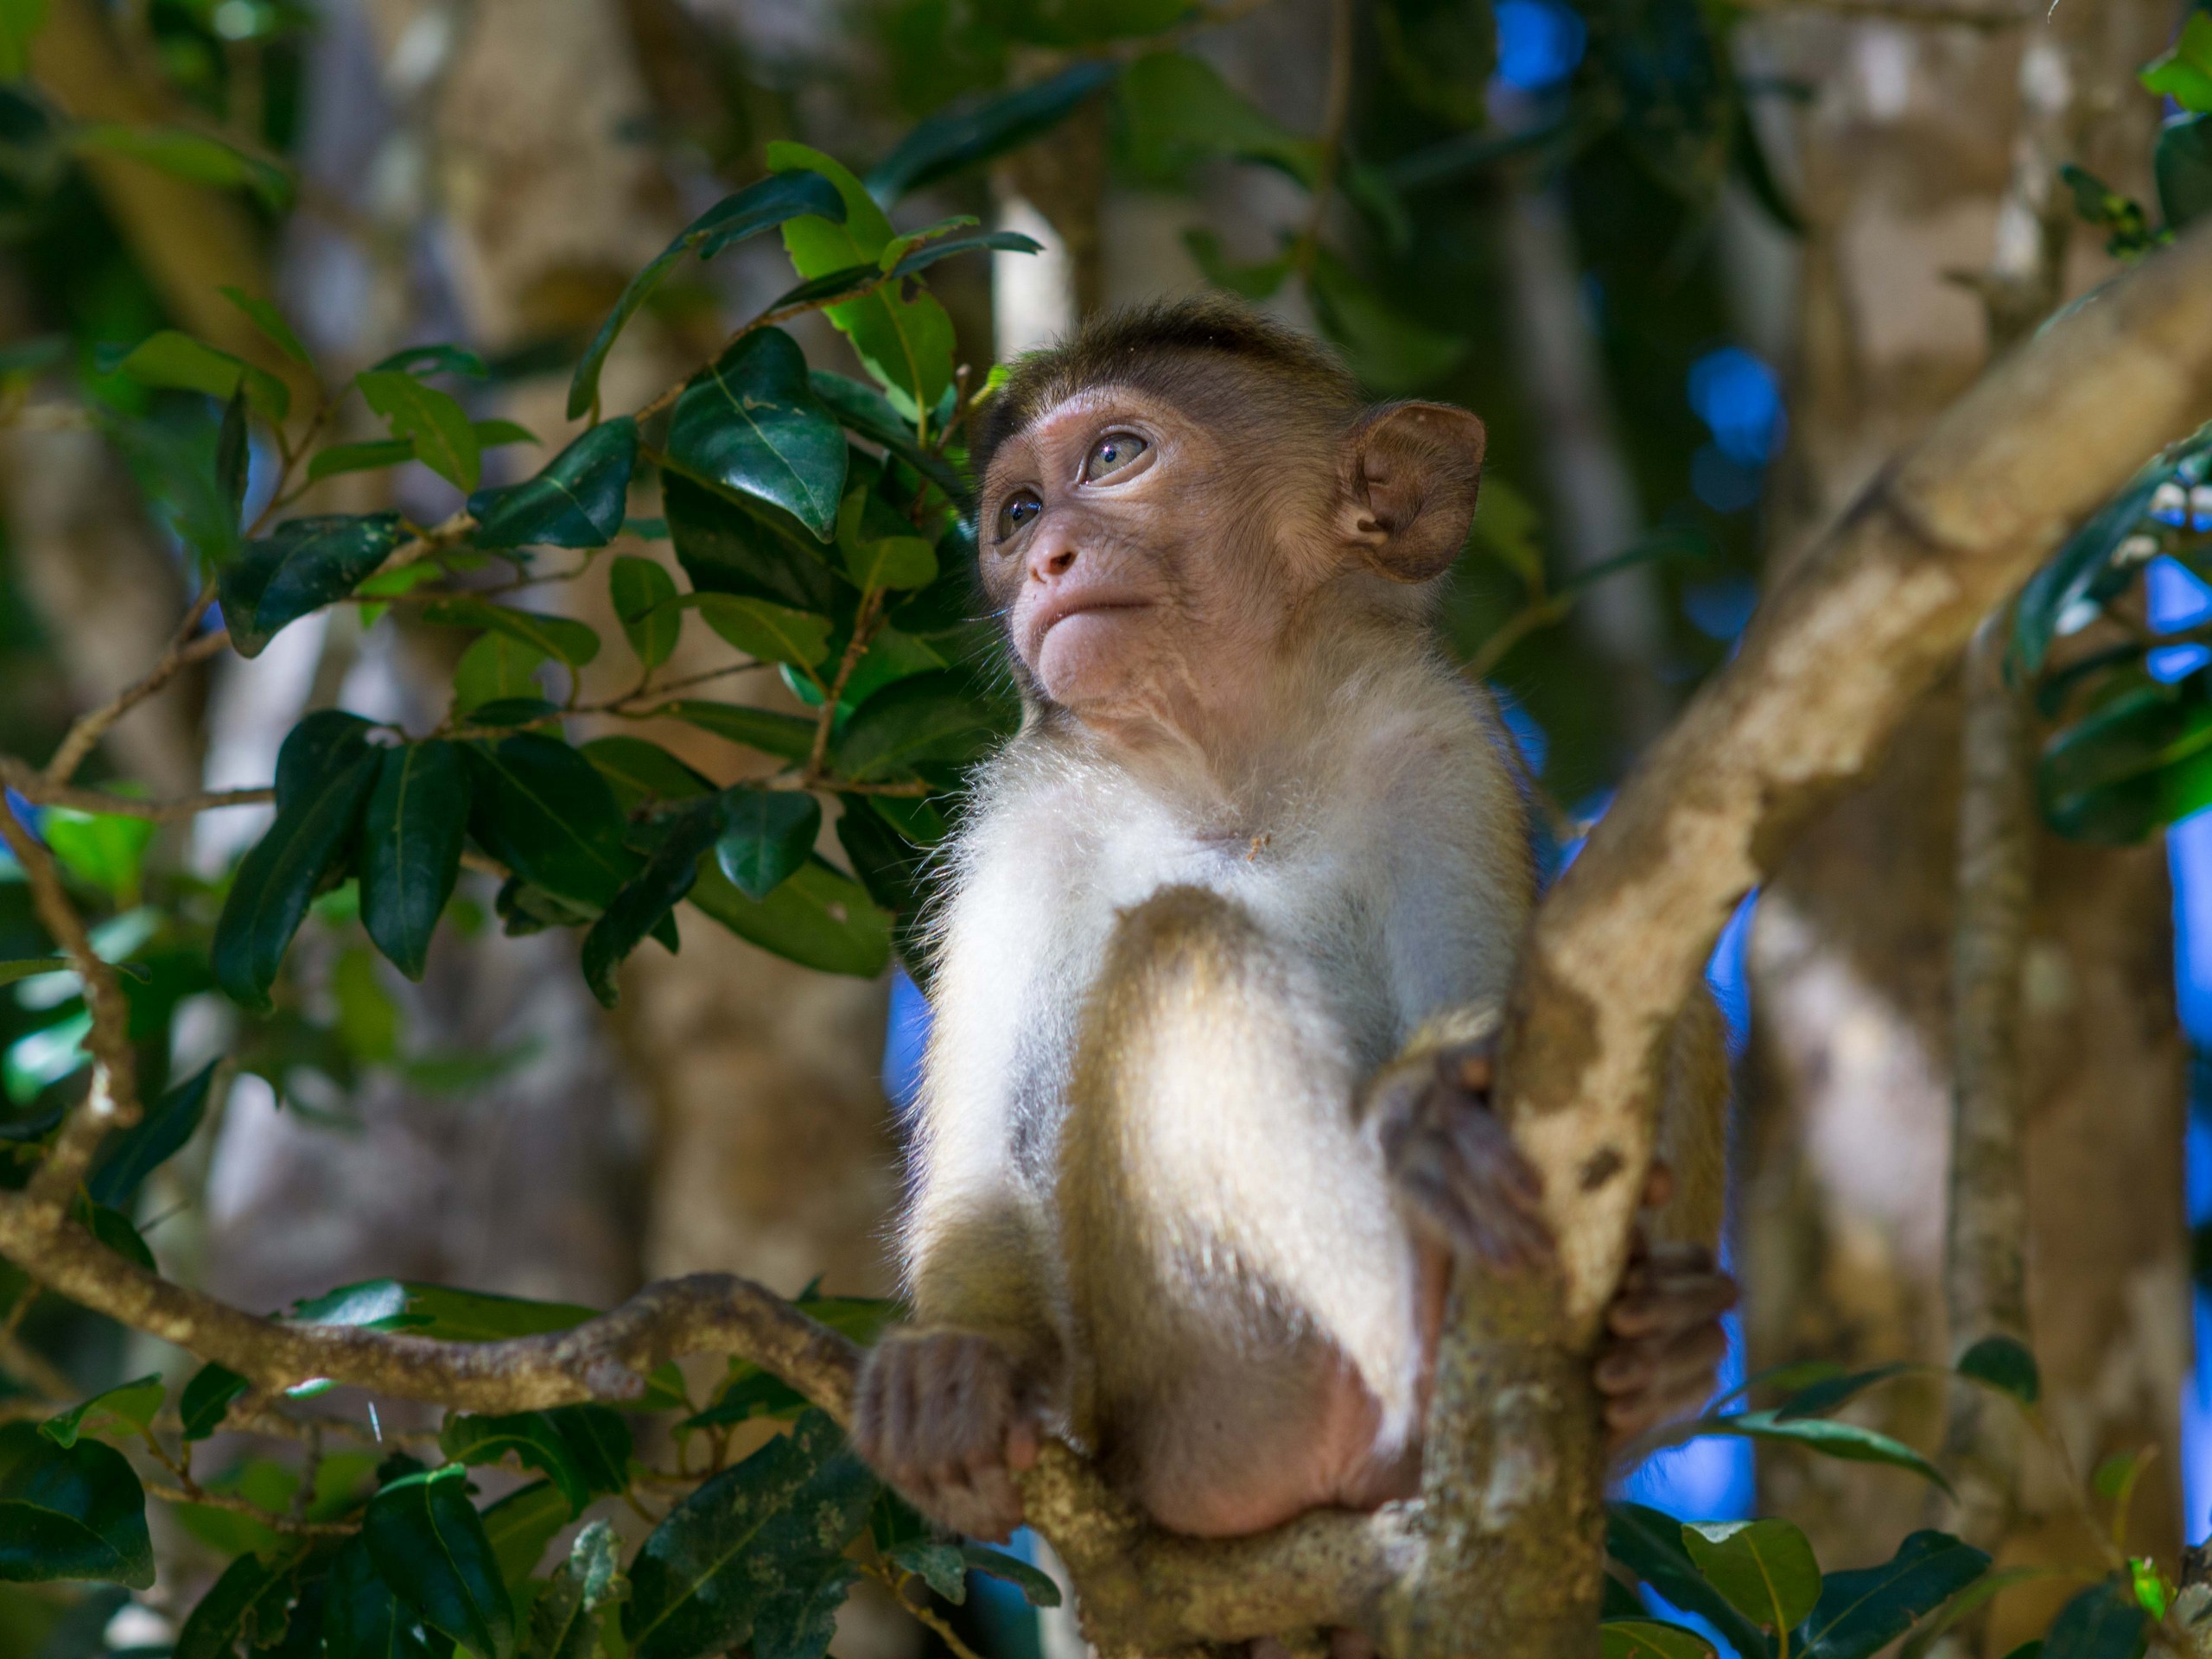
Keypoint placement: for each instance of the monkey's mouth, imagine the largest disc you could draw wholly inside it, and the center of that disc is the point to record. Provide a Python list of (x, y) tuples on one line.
[(1054, 612)]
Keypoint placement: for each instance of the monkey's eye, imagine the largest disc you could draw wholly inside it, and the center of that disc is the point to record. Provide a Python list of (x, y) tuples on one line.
[(1111, 453), (1016, 510)]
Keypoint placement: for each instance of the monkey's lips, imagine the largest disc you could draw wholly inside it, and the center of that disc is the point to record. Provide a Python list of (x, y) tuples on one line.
[(1070, 634)]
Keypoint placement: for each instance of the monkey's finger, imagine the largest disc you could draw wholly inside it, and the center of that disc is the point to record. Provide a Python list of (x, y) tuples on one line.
[(1678, 1304), (1658, 1186), (1631, 1367), (1501, 1239)]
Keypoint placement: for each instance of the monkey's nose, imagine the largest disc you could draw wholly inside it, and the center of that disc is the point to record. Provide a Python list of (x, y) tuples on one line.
[(1058, 561)]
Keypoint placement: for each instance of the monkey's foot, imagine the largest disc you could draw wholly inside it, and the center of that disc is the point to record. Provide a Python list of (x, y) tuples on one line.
[(1455, 1164), (1665, 1340), (944, 1416)]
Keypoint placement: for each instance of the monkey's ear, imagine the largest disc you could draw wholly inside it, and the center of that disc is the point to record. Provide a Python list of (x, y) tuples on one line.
[(1411, 474)]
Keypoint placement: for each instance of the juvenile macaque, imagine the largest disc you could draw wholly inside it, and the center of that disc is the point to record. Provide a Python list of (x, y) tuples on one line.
[(1205, 1121)]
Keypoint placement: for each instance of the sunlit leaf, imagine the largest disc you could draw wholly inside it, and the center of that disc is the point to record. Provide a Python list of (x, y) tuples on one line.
[(498, 668), (1648, 1544), (817, 918), (1765, 1568), (1647, 1638), (131, 1404), (432, 420), (771, 633), (1845, 1442)]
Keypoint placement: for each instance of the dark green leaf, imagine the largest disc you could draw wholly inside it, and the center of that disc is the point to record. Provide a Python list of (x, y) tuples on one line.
[(645, 597), (642, 905), (114, 1231), (361, 1617), (1845, 1442), (495, 433), (433, 421), (2005, 1364), (545, 812), (429, 1546), (207, 1399), (982, 242), (819, 918), (732, 544), (751, 1553), (411, 847), (364, 457), (233, 451), (1650, 1544), (270, 321), (70, 1512), (433, 360), (576, 500), (521, 1526), (641, 772), (574, 643), (498, 668), (767, 835), (307, 564), (867, 411), (758, 206), (771, 633), (2103, 1622), (132, 1404), (750, 424), (1765, 1568), (975, 130), (785, 736), (890, 866), (2183, 163), (180, 363), (128, 1158), (585, 1449), (1037, 1588), (315, 834), (198, 157), (249, 1607), (936, 1561), (1861, 1613), (2063, 594), (506, 712), (1831, 1392), (1648, 1638), (929, 720)]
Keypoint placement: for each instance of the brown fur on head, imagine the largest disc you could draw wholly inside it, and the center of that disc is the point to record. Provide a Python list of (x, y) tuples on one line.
[(1168, 499)]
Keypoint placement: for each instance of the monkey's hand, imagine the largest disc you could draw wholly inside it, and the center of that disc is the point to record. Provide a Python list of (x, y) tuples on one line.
[(1454, 1161), (947, 1418), (1663, 1338)]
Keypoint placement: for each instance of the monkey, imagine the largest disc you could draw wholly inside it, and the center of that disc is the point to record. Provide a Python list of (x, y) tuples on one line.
[(1205, 1125)]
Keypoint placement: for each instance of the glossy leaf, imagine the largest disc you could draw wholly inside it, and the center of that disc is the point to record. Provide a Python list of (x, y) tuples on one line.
[(315, 834), (129, 1158), (370, 455), (307, 564), (437, 358), (1765, 1568), (730, 545), (817, 918), (432, 420), (498, 668), (270, 321), (115, 1231), (904, 341), (1650, 1638), (1831, 1393), (411, 836), (646, 902), (878, 562), (867, 411), (1845, 1442), (178, 362), (1648, 1544), (750, 1554), (207, 1398), (106, 849), (2184, 71), (233, 452), (973, 131), (70, 1512), (521, 1526), (1037, 1588), (750, 424), (2065, 590), (541, 810), (574, 643), (644, 596), (930, 720), (583, 1449), (2005, 1364), (1862, 1612), (576, 500), (361, 1617), (785, 736), (429, 1546), (770, 634), (767, 835), (758, 206), (248, 1607), (2103, 1622), (641, 772), (132, 1404), (564, 1624)]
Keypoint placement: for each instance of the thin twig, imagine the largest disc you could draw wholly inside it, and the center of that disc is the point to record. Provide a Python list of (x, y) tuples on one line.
[(183, 651), (192, 1492), (32, 787)]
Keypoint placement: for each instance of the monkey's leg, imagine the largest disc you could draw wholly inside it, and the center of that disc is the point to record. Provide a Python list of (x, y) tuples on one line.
[(1244, 1293)]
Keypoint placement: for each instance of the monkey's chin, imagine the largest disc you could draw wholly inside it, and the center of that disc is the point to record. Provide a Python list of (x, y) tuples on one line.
[(1090, 658)]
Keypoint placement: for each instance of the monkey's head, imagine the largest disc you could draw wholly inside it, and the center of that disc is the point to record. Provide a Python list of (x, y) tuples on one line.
[(1170, 499)]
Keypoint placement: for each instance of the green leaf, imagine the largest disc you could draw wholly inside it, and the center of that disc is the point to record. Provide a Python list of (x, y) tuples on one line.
[(644, 598), (766, 835), (1037, 1588), (785, 736), (207, 1400), (1388, 351), (1831, 1392), (233, 453), (746, 1557), (868, 412), (584, 1449), (564, 1624), (1650, 1544), (70, 1512), (643, 904), (545, 812), (732, 544), (177, 362), (1650, 1638), (114, 1231), (643, 773), (361, 1617), (929, 720), (249, 1605), (817, 918), (104, 849), (576, 500), (2184, 73), (937, 1562), (750, 424), (498, 668), (498, 432), (1181, 112), (758, 206), (2103, 1622), (132, 1404), (878, 562), (975, 130), (432, 420), (905, 342), (358, 457), (1845, 1442), (191, 156), (2005, 1364), (1765, 1568), (270, 321), (411, 836), (574, 643), (429, 1546), (771, 633), (307, 564), (436, 359), (521, 1526), (20, 24), (312, 840), (1861, 1613), (129, 1158), (2183, 166)]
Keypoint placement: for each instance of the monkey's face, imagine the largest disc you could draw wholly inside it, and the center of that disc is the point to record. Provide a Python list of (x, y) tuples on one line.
[(1135, 559)]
